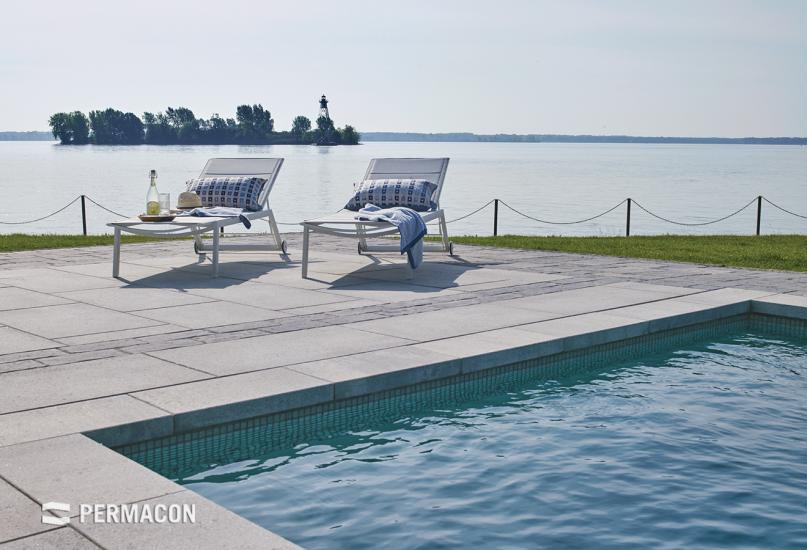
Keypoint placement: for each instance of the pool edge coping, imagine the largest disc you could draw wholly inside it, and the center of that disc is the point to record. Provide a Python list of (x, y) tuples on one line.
[(779, 305)]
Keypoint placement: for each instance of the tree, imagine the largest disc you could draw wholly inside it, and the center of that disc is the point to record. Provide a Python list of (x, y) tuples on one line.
[(184, 124), (70, 128), (113, 127), (132, 129), (325, 134), (349, 135), (300, 128), (158, 129), (255, 123), (214, 130)]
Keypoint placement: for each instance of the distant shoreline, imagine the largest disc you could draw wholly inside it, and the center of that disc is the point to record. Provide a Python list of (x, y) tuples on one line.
[(462, 137), (560, 138), (27, 136)]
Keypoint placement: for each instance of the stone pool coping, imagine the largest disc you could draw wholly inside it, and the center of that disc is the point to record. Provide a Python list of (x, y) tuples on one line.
[(373, 372), (59, 452)]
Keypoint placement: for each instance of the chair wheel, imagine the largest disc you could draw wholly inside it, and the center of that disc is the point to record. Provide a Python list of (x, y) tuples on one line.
[(196, 247), (358, 248), (284, 248), (450, 248)]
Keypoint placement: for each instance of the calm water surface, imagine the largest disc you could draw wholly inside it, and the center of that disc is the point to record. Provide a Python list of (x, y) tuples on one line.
[(557, 182), (700, 448)]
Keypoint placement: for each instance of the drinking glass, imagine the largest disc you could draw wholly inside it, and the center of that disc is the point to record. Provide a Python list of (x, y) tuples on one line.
[(165, 203)]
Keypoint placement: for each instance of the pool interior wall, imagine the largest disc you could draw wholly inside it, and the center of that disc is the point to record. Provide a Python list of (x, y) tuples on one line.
[(180, 456)]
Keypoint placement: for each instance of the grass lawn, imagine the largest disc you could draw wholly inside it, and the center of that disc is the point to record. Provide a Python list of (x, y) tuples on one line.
[(782, 252), (19, 241)]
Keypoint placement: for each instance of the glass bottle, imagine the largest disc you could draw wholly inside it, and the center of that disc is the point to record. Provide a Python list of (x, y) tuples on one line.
[(153, 197)]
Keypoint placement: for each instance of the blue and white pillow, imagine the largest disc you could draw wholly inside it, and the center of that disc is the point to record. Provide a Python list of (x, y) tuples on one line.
[(409, 193), (232, 192)]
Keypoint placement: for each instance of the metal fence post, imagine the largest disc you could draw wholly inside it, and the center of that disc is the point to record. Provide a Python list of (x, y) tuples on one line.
[(627, 219), (759, 213), (83, 216), (495, 217)]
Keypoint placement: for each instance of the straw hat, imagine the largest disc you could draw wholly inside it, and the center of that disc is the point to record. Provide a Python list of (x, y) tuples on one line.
[(188, 199)]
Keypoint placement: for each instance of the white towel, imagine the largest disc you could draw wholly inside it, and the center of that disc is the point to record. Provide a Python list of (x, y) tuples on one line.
[(409, 223)]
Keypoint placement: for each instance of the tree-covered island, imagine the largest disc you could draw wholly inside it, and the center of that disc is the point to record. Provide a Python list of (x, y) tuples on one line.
[(252, 125)]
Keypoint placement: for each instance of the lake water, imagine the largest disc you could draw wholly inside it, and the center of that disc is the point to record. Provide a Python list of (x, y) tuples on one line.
[(552, 181)]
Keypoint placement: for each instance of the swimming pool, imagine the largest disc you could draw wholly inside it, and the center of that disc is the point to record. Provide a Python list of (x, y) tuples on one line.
[(692, 438)]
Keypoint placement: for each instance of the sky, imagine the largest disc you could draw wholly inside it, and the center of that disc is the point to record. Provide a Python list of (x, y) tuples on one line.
[(729, 68)]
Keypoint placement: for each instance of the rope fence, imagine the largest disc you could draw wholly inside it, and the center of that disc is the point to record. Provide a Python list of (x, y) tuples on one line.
[(629, 202)]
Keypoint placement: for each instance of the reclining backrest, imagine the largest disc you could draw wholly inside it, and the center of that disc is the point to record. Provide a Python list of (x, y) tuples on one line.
[(259, 167), (431, 169)]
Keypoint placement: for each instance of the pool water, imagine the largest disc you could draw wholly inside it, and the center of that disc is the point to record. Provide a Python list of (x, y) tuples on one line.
[(704, 446)]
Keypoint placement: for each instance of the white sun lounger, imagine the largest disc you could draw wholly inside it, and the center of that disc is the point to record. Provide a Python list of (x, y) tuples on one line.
[(196, 227), (344, 224)]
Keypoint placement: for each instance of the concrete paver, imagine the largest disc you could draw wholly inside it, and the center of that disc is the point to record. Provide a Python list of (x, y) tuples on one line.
[(20, 515), (16, 341), (381, 370), (20, 298), (133, 298), (215, 527), (76, 470), (49, 386), (71, 320), (209, 314), (51, 280), (269, 295), (278, 350), (390, 291), (63, 538), (85, 416), (230, 398), (446, 323)]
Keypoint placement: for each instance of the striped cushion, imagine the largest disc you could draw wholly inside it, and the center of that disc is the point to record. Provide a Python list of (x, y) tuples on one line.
[(409, 193), (232, 192)]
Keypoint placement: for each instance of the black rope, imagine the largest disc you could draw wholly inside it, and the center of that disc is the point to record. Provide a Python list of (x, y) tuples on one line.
[(564, 223), (43, 217), (102, 207), (695, 223), (471, 213), (784, 209)]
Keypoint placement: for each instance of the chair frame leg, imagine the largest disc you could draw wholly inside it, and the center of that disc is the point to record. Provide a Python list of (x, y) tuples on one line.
[(274, 229), (362, 237), (444, 232), (198, 247), (216, 238), (306, 232), (116, 254)]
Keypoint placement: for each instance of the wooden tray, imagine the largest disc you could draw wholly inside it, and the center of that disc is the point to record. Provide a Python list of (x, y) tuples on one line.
[(147, 218)]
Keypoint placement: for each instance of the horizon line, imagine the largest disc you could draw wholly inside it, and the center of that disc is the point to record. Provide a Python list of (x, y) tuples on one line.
[(514, 134)]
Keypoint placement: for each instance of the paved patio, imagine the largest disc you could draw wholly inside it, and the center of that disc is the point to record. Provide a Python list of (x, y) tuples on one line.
[(167, 349)]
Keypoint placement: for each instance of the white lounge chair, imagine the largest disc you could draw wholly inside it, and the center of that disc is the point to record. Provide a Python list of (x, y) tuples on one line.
[(196, 227), (344, 224)]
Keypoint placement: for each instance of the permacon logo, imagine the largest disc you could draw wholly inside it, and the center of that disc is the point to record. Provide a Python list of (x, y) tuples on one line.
[(122, 513), (56, 507)]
